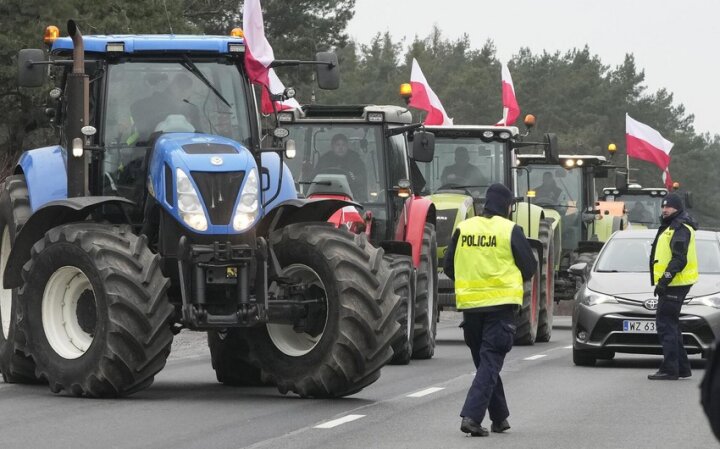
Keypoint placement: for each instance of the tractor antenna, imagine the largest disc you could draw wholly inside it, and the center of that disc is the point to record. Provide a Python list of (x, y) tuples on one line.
[(167, 14)]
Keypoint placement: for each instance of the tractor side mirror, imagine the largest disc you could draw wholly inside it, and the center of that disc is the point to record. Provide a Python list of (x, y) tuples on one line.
[(328, 72), (601, 172), (551, 149), (688, 200), (32, 67), (578, 269), (621, 181), (423, 146)]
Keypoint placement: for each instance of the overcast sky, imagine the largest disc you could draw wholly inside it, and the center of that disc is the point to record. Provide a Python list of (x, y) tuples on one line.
[(676, 42)]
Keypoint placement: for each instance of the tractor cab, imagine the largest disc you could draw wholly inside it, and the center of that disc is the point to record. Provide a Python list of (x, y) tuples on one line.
[(360, 154), (642, 204)]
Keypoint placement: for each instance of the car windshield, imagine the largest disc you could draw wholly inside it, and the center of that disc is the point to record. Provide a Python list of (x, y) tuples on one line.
[(632, 256), (559, 189), (467, 163)]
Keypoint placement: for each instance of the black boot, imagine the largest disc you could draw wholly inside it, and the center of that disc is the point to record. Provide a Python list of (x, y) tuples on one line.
[(662, 376), (473, 428), (500, 427)]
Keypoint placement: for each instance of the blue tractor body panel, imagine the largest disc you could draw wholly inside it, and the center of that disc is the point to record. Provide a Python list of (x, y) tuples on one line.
[(271, 161), (45, 171), (152, 43)]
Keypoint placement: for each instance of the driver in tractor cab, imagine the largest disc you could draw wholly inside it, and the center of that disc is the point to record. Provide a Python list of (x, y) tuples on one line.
[(639, 213), (168, 110), (342, 159), (462, 172), (548, 192)]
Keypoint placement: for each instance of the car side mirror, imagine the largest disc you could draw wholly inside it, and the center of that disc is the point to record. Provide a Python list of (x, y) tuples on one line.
[(423, 146), (578, 269)]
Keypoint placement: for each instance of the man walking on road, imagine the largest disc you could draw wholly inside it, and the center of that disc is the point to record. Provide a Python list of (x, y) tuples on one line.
[(489, 258), (674, 269)]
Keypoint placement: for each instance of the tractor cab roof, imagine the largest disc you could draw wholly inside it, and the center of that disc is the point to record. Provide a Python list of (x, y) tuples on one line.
[(484, 132), (152, 44), (348, 113), (566, 160), (636, 189)]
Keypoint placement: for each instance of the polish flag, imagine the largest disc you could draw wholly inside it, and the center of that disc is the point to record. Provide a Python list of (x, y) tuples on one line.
[(424, 98), (511, 110), (644, 143), (258, 52), (276, 87)]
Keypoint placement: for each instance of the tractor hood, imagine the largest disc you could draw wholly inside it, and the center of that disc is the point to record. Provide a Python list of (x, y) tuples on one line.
[(218, 170)]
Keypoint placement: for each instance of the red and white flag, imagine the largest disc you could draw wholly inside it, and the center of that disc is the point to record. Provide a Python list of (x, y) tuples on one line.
[(644, 143), (276, 87), (424, 98), (258, 52), (511, 110)]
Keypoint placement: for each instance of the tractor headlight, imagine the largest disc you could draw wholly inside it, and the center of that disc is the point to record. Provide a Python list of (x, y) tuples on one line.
[(188, 202), (591, 298), (247, 209), (710, 300)]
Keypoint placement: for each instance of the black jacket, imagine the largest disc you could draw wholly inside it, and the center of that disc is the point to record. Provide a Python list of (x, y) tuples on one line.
[(522, 253), (678, 245)]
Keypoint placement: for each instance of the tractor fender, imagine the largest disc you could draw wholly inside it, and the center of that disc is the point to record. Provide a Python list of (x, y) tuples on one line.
[(50, 215), (271, 181), (528, 216), (538, 246), (45, 173), (419, 212), (300, 211)]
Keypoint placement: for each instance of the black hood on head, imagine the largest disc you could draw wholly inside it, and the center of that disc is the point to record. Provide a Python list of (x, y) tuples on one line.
[(498, 199)]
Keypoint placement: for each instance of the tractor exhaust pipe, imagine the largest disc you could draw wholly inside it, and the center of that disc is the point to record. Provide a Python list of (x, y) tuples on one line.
[(78, 107)]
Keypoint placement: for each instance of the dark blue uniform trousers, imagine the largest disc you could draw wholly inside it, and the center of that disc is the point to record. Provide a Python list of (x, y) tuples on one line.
[(675, 359), (489, 335)]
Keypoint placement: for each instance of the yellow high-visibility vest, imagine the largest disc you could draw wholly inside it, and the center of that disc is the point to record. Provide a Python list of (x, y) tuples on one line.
[(663, 255), (485, 270)]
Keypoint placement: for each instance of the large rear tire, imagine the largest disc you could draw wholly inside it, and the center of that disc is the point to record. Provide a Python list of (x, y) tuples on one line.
[(527, 321), (16, 367), (547, 282), (96, 311), (229, 356), (404, 287), (426, 296), (353, 339)]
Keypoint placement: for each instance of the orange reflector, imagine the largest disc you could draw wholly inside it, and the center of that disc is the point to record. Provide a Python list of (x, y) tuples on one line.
[(237, 32), (405, 90), (529, 120), (676, 185), (51, 34)]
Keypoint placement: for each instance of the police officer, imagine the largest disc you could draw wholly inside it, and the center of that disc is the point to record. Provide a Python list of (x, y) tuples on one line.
[(674, 269), (489, 258)]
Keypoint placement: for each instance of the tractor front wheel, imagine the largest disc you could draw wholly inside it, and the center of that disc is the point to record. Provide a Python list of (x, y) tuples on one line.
[(404, 286), (527, 321), (426, 296), (348, 333), (547, 282), (100, 322)]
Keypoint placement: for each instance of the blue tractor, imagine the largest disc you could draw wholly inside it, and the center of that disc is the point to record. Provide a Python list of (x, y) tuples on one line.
[(157, 209)]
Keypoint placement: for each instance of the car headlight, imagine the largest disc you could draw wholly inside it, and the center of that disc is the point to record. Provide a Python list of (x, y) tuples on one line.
[(710, 300), (247, 209), (591, 298), (188, 202)]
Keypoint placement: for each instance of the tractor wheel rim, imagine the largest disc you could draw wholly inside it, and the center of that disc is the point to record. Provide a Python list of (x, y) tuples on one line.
[(283, 336), (67, 300), (5, 293)]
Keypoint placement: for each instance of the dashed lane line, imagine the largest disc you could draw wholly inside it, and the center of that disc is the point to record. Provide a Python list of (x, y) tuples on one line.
[(339, 421), (535, 357), (425, 392)]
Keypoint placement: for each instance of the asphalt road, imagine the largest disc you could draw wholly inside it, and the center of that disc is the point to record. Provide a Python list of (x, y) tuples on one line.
[(552, 403)]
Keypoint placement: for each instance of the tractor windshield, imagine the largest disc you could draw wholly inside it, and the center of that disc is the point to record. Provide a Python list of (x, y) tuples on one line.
[(145, 98), (465, 163), (642, 209), (559, 189)]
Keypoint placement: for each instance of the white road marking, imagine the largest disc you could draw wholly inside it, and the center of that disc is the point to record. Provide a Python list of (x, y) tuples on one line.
[(535, 357), (339, 421), (425, 392), (567, 347)]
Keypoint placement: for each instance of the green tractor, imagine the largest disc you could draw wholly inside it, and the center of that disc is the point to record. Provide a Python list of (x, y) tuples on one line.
[(565, 188), (467, 159), (641, 203)]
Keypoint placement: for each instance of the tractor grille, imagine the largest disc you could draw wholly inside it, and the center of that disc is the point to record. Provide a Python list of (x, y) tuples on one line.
[(445, 220), (219, 192)]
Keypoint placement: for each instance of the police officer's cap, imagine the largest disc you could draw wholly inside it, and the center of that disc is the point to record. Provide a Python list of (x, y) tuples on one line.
[(673, 200), (498, 199)]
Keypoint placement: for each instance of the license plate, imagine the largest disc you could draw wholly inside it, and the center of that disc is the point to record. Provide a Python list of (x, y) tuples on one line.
[(639, 326)]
